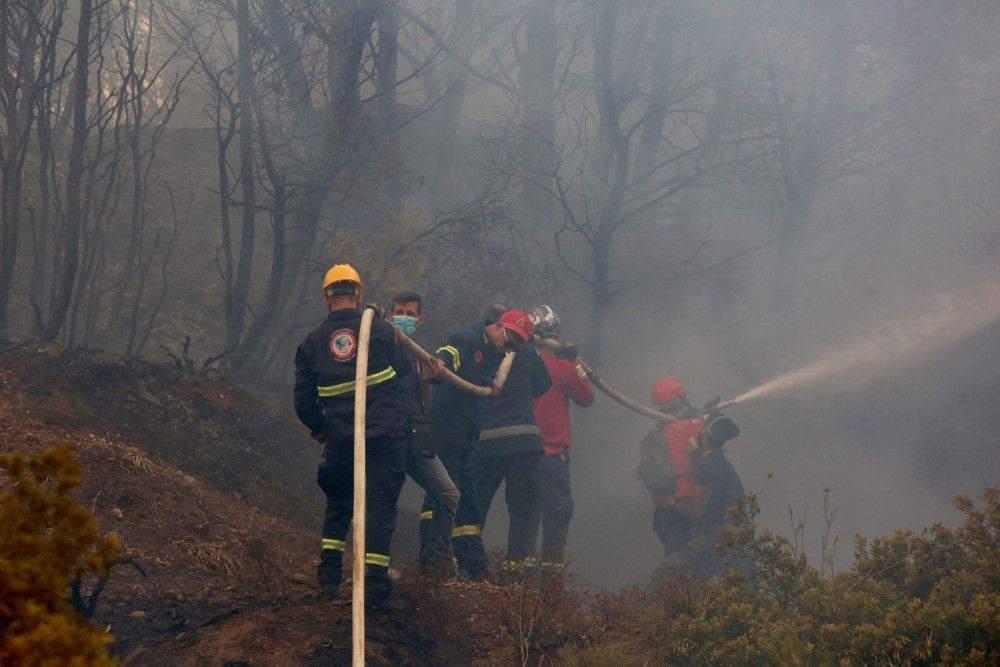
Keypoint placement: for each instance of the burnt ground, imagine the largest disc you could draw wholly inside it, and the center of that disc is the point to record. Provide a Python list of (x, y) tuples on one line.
[(211, 491)]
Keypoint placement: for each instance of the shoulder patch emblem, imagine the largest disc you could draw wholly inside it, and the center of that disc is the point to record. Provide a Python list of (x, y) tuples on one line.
[(343, 344)]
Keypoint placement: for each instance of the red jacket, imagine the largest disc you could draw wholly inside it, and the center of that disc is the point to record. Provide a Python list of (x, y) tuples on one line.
[(678, 437), (552, 407)]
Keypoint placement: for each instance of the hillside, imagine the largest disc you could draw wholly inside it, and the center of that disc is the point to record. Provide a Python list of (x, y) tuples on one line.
[(211, 491), (206, 487)]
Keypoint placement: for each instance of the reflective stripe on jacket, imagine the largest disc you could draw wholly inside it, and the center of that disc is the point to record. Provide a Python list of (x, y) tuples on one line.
[(325, 365)]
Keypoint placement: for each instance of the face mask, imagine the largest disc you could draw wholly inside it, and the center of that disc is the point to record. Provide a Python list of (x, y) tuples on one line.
[(405, 323)]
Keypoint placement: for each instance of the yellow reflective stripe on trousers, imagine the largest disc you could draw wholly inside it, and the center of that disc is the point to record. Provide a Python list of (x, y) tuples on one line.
[(456, 356), (465, 531), (377, 559), (336, 545), (427, 515), (329, 391)]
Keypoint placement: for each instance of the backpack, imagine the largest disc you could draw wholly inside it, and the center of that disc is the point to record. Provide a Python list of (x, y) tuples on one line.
[(655, 469)]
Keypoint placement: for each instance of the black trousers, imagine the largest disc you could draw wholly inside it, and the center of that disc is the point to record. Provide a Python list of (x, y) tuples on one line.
[(554, 509), (457, 455), (385, 456), (519, 473)]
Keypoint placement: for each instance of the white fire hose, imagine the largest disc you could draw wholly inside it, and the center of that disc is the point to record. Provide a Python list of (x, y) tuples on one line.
[(614, 394), (360, 403), (462, 384), (358, 561)]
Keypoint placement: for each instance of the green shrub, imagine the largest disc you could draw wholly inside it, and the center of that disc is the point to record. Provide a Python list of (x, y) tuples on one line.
[(909, 598), (46, 540)]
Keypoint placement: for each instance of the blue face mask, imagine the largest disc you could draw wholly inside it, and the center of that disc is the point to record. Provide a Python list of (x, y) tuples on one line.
[(406, 323)]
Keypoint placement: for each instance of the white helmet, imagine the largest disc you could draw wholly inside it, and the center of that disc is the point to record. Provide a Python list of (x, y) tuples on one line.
[(545, 322)]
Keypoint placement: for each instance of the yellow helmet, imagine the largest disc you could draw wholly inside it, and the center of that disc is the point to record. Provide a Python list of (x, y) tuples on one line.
[(339, 273)]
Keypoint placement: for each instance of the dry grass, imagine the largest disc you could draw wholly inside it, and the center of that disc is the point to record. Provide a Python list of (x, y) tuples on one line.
[(215, 556)]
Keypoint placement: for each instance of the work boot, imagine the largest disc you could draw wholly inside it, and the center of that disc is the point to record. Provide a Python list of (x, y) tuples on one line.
[(329, 590), (385, 604), (441, 570)]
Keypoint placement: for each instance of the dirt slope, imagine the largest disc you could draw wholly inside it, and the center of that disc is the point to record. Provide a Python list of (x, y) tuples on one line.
[(207, 427), (188, 472)]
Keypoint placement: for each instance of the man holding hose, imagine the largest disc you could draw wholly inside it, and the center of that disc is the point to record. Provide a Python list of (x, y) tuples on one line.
[(422, 464), (569, 382), (455, 423), (325, 365)]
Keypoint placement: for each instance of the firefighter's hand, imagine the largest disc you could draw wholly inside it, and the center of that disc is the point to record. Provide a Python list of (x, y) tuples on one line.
[(319, 436), (663, 500), (692, 507), (433, 370), (379, 310), (712, 407), (567, 351)]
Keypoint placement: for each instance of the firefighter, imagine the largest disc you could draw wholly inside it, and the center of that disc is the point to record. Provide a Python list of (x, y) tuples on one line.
[(569, 382), (455, 417), (722, 490), (324, 402), (676, 510), (510, 446), (422, 464)]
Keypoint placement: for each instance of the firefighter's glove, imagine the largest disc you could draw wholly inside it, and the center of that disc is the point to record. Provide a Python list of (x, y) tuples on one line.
[(320, 436), (663, 500), (712, 407), (379, 310), (567, 351)]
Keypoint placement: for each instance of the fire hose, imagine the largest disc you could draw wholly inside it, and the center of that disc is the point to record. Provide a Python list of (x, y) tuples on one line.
[(360, 482), (358, 560), (614, 394), (460, 383)]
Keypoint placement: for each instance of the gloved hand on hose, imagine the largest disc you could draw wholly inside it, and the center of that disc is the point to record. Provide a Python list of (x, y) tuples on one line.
[(711, 408), (379, 310), (567, 351)]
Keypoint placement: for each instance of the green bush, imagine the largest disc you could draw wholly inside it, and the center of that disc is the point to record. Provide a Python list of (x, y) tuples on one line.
[(909, 599), (46, 540)]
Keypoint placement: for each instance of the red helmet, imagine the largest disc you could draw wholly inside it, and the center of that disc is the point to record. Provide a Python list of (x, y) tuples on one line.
[(518, 322), (668, 389)]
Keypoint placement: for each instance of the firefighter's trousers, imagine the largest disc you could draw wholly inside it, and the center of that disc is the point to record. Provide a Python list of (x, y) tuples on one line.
[(384, 479), (519, 472), (554, 509), (437, 521), (467, 543)]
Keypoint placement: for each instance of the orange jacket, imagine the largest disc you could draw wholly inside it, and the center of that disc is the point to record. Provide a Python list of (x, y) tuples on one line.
[(680, 438)]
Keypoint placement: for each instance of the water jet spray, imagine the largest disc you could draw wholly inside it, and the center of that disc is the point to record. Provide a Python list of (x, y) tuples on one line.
[(953, 318)]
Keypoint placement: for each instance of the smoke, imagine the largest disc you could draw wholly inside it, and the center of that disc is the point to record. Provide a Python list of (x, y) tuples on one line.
[(952, 318)]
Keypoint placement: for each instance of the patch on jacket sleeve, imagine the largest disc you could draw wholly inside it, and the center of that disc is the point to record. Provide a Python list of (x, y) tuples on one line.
[(343, 345)]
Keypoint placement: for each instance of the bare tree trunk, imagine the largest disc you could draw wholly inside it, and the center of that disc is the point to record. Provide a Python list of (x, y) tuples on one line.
[(349, 33), (449, 111), (18, 88), (244, 267), (252, 341), (609, 218), (811, 161), (66, 275), (386, 64), (600, 300), (538, 130), (659, 98)]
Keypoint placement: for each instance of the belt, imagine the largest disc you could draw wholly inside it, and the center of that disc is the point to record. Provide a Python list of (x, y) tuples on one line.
[(505, 431)]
